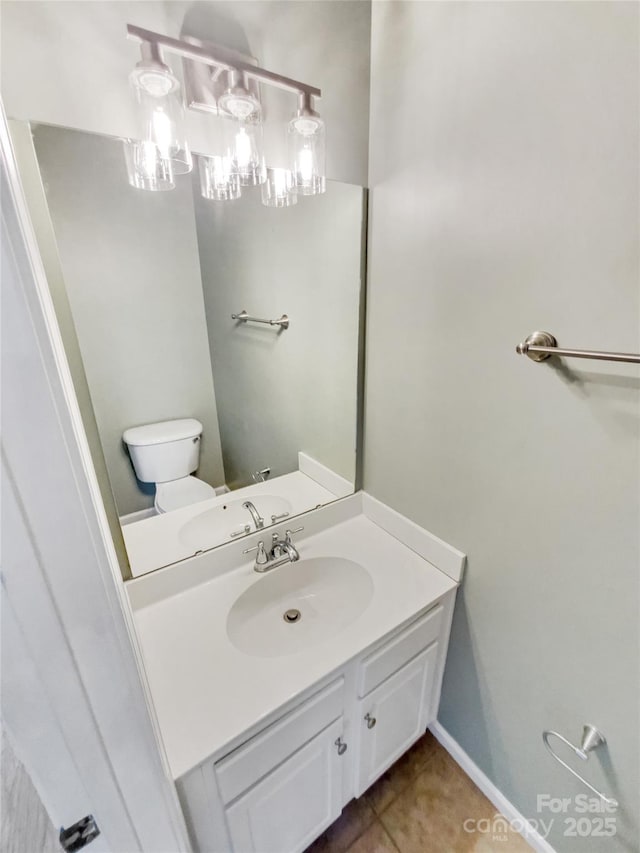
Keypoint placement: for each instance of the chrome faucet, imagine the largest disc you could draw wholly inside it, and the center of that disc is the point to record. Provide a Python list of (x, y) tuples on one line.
[(258, 520), (282, 551), (280, 547)]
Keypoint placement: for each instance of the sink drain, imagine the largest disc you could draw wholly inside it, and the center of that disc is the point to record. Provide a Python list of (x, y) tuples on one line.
[(291, 616)]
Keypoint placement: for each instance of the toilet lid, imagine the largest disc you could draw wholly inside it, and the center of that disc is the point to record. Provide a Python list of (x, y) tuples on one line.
[(182, 492)]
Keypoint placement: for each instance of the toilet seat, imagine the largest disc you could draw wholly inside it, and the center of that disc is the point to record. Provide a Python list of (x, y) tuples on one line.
[(182, 492)]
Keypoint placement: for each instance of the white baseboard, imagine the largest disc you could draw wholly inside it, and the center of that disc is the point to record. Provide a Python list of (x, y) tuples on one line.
[(502, 804)]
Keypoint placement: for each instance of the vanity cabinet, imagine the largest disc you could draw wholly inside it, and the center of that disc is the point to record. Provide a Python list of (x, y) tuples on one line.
[(279, 742), (393, 716), (396, 686), (282, 787), (292, 805)]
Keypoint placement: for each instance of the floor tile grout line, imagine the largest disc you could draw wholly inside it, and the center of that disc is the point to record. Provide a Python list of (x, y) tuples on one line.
[(389, 836), (375, 821), (405, 787), (366, 829)]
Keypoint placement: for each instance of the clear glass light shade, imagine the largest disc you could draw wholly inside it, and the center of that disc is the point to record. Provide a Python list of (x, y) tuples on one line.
[(244, 141), (160, 115), (242, 134), (146, 168), (306, 140), (217, 179), (278, 189)]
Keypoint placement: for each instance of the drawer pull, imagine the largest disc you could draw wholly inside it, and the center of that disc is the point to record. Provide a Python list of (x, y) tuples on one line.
[(342, 747), (371, 721)]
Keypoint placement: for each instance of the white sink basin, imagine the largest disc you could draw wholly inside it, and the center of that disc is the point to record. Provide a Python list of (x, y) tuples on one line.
[(216, 525), (329, 593)]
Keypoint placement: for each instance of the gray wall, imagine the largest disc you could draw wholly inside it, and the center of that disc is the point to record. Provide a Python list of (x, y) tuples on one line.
[(130, 265), (283, 391), (504, 168), (67, 63)]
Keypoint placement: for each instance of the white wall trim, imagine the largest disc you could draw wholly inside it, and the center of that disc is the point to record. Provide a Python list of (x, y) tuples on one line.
[(491, 792), (153, 765), (436, 551), (325, 477)]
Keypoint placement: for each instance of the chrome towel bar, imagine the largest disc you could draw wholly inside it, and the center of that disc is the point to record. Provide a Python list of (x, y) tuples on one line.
[(243, 317), (540, 345), (591, 739)]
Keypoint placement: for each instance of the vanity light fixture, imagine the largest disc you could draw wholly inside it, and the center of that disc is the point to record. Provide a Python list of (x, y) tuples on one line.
[(223, 83), (163, 145), (146, 169), (247, 150), (217, 180), (278, 189), (306, 149)]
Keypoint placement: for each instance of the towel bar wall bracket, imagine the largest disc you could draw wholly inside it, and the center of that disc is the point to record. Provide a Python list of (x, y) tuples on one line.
[(540, 345), (591, 739)]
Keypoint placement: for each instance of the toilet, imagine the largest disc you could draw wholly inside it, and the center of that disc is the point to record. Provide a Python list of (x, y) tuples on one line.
[(165, 454)]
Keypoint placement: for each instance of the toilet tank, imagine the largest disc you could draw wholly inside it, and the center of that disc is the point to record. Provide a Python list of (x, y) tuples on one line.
[(164, 451)]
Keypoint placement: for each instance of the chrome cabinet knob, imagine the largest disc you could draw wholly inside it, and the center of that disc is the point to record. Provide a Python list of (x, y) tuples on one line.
[(371, 721), (342, 747)]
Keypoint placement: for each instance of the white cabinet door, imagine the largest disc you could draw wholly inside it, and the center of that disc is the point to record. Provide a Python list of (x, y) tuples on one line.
[(393, 716), (292, 805)]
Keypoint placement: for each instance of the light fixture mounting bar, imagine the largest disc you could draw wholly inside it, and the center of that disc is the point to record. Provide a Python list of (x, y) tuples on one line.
[(219, 59)]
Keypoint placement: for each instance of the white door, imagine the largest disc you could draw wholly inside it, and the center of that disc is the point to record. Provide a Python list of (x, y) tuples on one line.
[(393, 716), (73, 703), (293, 804)]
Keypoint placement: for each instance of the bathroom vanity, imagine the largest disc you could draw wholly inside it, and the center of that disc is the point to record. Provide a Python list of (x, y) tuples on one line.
[(279, 696), (271, 722)]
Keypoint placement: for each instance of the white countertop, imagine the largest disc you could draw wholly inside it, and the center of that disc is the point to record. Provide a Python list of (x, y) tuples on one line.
[(156, 541), (207, 693)]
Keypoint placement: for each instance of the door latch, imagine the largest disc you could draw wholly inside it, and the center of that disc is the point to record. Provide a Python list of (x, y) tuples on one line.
[(81, 833)]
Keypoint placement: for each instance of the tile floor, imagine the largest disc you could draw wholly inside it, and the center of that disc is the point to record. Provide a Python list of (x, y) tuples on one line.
[(418, 806)]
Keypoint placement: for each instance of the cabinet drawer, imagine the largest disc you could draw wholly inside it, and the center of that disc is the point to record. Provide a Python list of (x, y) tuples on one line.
[(389, 658), (248, 763)]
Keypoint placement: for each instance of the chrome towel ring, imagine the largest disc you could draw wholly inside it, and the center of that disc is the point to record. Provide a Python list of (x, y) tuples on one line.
[(591, 739)]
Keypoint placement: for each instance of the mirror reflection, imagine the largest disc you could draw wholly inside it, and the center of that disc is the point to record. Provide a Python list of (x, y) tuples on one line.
[(210, 427)]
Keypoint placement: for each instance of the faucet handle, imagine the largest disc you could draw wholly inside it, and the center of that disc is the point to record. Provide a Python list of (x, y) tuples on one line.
[(261, 556), (276, 518), (290, 533)]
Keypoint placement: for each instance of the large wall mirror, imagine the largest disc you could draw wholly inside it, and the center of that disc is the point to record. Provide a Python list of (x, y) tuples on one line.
[(210, 427)]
